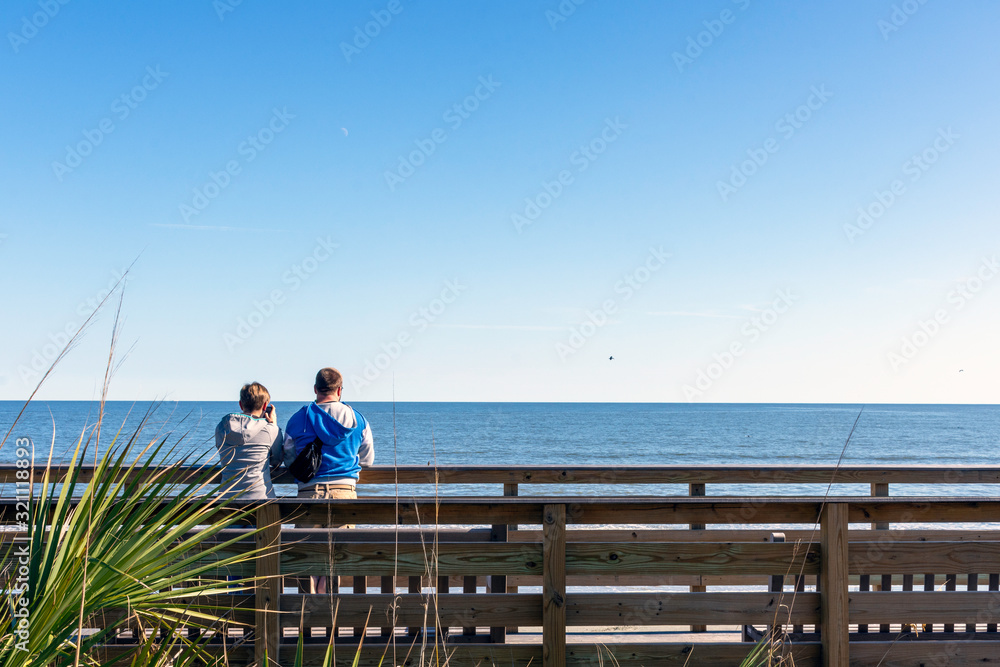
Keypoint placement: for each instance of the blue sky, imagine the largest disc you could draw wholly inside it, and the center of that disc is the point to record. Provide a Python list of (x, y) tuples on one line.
[(486, 201)]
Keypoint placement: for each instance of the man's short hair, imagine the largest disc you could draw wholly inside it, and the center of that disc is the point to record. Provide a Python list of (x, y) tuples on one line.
[(329, 380), (254, 396)]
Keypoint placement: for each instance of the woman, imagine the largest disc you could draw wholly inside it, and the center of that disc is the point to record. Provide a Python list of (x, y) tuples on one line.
[(249, 444)]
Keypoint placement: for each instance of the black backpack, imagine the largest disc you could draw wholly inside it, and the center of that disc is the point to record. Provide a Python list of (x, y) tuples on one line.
[(306, 464)]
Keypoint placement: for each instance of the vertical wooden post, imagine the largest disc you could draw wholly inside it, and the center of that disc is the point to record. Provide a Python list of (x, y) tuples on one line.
[(387, 585), (886, 588), (413, 587), (267, 631), (994, 586), (907, 586), (834, 631), (949, 585), (800, 587), (360, 588), (498, 583), (928, 586), (880, 490), (697, 489), (777, 583), (864, 585), (510, 489), (469, 587), (554, 586), (973, 585), (442, 588)]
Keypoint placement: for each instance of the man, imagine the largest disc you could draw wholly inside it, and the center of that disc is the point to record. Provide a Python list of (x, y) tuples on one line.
[(345, 433), (347, 447)]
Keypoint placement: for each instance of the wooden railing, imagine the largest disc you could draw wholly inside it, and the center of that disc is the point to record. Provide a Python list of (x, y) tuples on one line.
[(667, 474), (417, 551)]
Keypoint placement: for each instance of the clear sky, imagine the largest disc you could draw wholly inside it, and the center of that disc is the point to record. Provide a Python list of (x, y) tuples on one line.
[(737, 200)]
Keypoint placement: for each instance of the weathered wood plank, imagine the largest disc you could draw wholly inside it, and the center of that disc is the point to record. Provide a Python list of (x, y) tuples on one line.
[(554, 586), (670, 474), (919, 557), (924, 510), (238, 608), (701, 558), (381, 559), (833, 585), (755, 535), (924, 607), (639, 609), (705, 559), (454, 609), (806, 654), (602, 510)]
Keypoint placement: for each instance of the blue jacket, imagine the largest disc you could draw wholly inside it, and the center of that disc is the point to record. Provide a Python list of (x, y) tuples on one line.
[(340, 444)]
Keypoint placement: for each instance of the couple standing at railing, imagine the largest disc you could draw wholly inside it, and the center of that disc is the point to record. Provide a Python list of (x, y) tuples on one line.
[(324, 445)]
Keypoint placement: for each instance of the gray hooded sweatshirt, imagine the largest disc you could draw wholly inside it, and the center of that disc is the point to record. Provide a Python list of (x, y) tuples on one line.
[(248, 448)]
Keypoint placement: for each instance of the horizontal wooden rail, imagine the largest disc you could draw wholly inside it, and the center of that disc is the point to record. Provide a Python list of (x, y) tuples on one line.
[(920, 557), (605, 510), (599, 474), (525, 609), (497, 558), (406, 654), (676, 654), (925, 607)]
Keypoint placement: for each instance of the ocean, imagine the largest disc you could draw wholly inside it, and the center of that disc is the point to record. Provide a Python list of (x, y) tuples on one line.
[(612, 434)]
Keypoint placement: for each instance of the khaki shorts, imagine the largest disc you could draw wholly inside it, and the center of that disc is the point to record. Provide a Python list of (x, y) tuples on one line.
[(329, 491)]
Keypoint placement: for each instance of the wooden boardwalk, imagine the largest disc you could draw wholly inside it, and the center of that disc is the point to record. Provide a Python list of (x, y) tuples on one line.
[(693, 580)]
